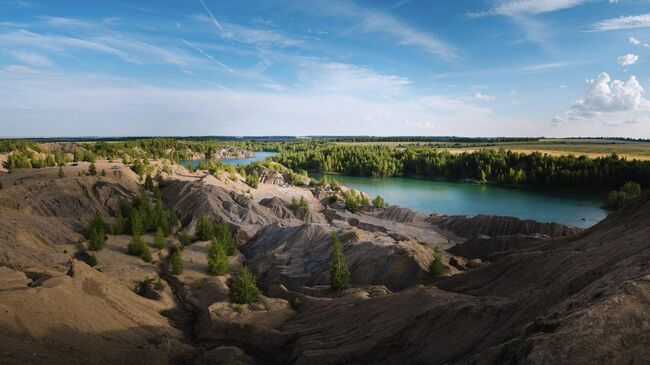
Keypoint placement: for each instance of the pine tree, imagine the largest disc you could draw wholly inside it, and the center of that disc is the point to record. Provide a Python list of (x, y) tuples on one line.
[(148, 183), (176, 262), (135, 247), (185, 238), (97, 233), (217, 259), (159, 239), (92, 170), (221, 232), (61, 173), (146, 253), (244, 289), (204, 229), (118, 224), (339, 273)]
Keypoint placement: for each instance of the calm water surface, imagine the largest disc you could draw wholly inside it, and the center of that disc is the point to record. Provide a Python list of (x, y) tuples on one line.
[(259, 156), (544, 205)]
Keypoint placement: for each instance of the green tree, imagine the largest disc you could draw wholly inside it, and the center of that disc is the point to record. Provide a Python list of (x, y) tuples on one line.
[(436, 266), (176, 262), (103, 173), (136, 245), (97, 233), (118, 223), (253, 179), (146, 253), (92, 170), (217, 259), (204, 229), (61, 173), (632, 189), (159, 239), (221, 232), (339, 273), (148, 183), (185, 238), (244, 289)]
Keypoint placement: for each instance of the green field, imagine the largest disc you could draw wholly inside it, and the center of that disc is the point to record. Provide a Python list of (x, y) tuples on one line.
[(556, 147)]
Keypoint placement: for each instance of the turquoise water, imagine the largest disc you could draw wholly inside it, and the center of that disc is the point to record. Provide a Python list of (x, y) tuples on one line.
[(259, 156), (578, 209)]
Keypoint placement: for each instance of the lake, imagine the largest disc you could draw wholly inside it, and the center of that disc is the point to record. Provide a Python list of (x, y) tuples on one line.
[(578, 209), (259, 156)]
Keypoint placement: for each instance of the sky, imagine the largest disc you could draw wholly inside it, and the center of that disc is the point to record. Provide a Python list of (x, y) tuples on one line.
[(549, 68)]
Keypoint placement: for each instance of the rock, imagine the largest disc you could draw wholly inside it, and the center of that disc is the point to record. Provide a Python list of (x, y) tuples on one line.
[(248, 325), (458, 262), (485, 247), (490, 225), (224, 355), (297, 256)]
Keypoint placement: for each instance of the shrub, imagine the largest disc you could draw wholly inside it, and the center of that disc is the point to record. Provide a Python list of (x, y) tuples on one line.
[(632, 189), (217, 259), (137, 247), (352, 202), (92, 261), (61, 173), (618, 198), (378, 202), (299, 205), (103, 173), (92, 170), (176, 262), (244, 289), (146, 253), (339, 273), (436, 266), (333, 199)]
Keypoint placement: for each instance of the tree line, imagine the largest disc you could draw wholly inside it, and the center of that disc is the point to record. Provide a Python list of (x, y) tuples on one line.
[(485, 166)]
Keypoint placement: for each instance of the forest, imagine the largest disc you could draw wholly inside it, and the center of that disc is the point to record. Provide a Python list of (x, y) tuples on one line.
[(484, 166)]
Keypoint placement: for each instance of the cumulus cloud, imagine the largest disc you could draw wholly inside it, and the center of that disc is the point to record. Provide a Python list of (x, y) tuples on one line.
[(637, 42), (623, 22), (628, 59), (484, 97), (605, 95)]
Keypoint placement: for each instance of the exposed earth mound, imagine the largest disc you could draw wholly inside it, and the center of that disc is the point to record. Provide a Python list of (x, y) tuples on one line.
[(542, 293)]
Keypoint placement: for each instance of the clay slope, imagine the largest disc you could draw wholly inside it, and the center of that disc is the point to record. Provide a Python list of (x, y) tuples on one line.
[(192, 199), (491, 225), (81, 318), (573, 300), (297, 256), (41, 222)]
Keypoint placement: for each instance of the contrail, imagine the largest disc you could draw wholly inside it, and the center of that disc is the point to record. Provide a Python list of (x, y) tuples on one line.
[(207, 55), (211, 16)]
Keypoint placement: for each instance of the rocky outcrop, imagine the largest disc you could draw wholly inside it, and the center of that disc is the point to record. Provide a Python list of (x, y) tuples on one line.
[(297, 256), (192, 199), (490, 225), (484, 247), (398, 214)]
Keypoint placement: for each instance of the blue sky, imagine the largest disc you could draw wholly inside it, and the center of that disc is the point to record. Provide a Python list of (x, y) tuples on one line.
[(316, 67)]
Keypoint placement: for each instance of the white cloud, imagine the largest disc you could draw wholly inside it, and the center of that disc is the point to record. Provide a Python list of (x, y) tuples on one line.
[(637, 42), (136, 109), (252, 36), (214, 20), (31, 58), (64, 22), (19, 69), (623, 22), (523, 12), (604, 95), (484, 97), (377, 22), (532, 7), (340, 78), (628, 59), (606, 99)]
